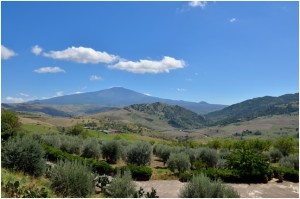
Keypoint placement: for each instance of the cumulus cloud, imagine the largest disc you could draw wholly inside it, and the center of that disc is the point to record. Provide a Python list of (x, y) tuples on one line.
[(181, 89), (36, 50), (200, 4), (82, 55), (232, 20), (49, 70), (149, 66), (15, 99), (95, 78), (6, 53)]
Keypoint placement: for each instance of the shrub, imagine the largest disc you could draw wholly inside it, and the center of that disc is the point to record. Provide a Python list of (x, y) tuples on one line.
[(163, 152), (122, 185), (77, 129), (52, 140), (291, 161), (223, 174), (286, 145), (288, 174), (10, 124), (72, 179), (275, 155), (208, 156), (14, 190), (202, 187), (139, 172), (139, 154), (111, 151), (249, 164), (71, 144), (179, 162), (24, 154), (91, 149), (185, 177)]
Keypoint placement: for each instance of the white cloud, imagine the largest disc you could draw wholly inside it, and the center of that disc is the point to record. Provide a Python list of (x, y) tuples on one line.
[(24, 94), (59, 93), (49, 70), (149, 66), (147, 94), (181, 89), (232, 20), (36, 50), (200, 4), (15, 99), (95, 77), (78, 92), (82, 55), (7, 53)]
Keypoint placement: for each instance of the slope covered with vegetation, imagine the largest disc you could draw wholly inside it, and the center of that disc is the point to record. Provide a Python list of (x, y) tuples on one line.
[(261, 106), (176, 116)]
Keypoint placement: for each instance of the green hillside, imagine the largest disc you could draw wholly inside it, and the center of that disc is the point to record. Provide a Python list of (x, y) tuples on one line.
[(176, 116), (253, 108)]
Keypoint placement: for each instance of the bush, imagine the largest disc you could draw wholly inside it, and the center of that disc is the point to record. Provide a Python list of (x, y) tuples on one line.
[(179, 162), (202, 187), (275, 155), (185, 177), (139, 154), (208, 156), (23, 154), (122, 185), (10, 124), (14, 190), (77, 129), (286, 145), (111, 151), (291, 161), (101, 167), (91, 149), (72, 179), (249, 164), (223, 174), (71, 144), (288, 174), (163, 152), (141, 173)]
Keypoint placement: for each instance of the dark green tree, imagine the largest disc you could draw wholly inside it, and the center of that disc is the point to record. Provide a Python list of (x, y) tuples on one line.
[(10, 124), (139, 154)]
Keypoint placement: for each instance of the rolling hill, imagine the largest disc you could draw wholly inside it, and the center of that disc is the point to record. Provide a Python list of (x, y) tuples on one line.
[(253, 108)]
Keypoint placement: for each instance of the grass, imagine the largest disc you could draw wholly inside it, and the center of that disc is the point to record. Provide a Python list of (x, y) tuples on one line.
[(35, 128)]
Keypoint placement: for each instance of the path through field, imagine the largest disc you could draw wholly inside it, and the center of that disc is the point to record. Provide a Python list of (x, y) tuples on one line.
[(171, 189)]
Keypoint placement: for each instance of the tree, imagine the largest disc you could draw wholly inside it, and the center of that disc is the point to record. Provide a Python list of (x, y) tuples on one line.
[(122, 185), (10, 124), (139, 154), (249, 164), (111, 151), (77, 129), (91, 149), (23, 154), (286, 145), (202, 187), (179, 162), (208, 156)]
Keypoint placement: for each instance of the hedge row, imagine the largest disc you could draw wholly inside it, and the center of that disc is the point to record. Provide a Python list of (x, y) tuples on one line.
[(139, 173), (54, 154), (288, 174)]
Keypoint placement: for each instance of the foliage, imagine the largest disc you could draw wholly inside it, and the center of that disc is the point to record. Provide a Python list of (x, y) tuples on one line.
[(72, 179), (208, 156), (202, 187), (185, 176), (287, 173), (14, 190), (225, 175), (275, 155), (91, 149), (138, 172), (122, 185), (101, 167), (286, 145), (10, 124), (179, 162), (141, 193), (111, 151), (23, 154), (249, 164), (101, 181), (291, 161), (163, 152), (139, 154), (77, 129)]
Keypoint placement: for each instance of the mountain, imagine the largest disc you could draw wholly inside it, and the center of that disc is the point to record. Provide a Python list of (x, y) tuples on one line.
[(121, 97), (261, 106), (176, 116)]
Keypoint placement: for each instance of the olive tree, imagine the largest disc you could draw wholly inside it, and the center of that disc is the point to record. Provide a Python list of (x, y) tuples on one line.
[(139, 154)]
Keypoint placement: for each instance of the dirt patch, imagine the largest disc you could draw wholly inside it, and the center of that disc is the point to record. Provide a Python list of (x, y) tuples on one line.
[(171, 189)]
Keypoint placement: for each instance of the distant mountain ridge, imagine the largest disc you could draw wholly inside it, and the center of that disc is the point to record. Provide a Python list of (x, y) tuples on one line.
[(176, 116), (261, 106), (120, 97)]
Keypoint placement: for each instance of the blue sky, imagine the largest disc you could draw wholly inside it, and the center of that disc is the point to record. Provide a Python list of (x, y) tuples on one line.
[(218, 52)]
